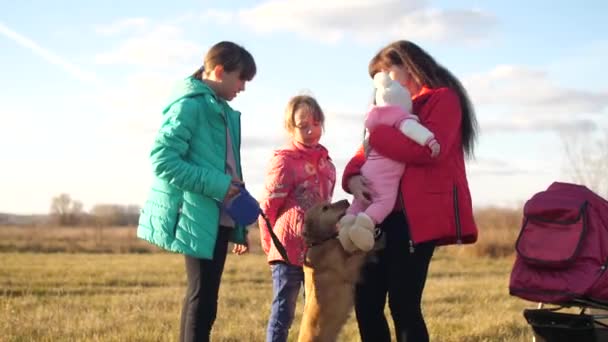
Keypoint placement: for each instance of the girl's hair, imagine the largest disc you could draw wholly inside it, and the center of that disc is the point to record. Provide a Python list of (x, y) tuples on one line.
[(298, 102), (232, 57), (426, 72)]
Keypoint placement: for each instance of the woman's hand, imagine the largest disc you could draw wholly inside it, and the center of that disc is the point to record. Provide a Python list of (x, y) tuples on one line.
[(359, 186), (239, 249)]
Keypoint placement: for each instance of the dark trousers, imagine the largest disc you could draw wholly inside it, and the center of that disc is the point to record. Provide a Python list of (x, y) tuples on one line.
[(286, 283), (200, 303), (399, 274)]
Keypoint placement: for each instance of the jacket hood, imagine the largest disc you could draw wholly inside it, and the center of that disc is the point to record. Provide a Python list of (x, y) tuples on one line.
[(189, 87)]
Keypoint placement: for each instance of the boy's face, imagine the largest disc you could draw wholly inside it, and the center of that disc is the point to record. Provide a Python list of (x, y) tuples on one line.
[(226, 84), (231, 84), (307, 130)]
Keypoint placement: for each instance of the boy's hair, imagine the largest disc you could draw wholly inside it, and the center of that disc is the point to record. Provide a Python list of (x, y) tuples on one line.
[(232, 57), (298, 102)]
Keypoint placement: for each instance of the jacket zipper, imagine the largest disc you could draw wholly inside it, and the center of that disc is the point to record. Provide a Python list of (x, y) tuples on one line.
[(412, 249), (457, 217), (240, 171)]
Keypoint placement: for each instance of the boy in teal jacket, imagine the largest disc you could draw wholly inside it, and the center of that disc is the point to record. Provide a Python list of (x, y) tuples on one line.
[(196, 163)]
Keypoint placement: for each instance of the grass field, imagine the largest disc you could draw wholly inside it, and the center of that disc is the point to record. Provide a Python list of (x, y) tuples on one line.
[(137, 297)]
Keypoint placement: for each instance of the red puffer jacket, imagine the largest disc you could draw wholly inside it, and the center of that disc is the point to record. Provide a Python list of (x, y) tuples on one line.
[(434, 191), (298, 177)]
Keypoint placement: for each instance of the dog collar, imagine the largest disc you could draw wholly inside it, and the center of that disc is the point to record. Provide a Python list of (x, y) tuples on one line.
[(316, 243)]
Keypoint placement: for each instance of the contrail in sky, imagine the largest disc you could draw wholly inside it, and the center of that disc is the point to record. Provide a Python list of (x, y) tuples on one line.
[(47, 54)]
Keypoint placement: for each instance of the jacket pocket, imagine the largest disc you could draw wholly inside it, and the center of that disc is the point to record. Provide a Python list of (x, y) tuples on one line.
[(553, 231), (177, 217)]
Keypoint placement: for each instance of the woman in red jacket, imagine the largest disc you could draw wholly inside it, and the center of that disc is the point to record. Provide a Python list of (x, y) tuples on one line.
[(434, 203)]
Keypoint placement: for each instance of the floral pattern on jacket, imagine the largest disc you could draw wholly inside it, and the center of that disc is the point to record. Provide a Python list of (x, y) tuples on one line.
[(298, 177)]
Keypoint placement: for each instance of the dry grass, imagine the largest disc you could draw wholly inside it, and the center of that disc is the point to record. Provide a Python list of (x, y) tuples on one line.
[(86, 284), (72, 240), (137, 297)]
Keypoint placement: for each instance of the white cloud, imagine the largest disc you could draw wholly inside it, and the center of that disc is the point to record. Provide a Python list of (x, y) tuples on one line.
[(532, 92), (447, 26), (363, 20), (160, 45), (529, 100), (522, 124)]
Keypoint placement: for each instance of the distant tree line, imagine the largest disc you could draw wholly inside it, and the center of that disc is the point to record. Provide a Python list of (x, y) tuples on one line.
[(587, 159), (66, 211)]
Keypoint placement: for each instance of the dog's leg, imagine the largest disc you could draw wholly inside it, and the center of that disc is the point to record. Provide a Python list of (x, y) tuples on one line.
[(307, 325)]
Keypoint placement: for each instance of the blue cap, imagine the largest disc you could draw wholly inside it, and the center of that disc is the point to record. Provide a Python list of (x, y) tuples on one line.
[(243, 208)]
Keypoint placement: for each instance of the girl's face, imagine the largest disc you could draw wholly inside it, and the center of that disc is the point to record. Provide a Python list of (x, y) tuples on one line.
[(307, 130)]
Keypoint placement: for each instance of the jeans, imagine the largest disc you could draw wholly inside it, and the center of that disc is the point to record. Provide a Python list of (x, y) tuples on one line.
[(401, 276), (286, 283), (200, 303)]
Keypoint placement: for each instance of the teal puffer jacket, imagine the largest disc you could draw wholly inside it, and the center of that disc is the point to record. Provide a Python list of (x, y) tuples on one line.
[(189, 161)]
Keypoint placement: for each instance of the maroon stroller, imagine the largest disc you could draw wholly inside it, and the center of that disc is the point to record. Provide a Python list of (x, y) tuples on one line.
[(562, 256)]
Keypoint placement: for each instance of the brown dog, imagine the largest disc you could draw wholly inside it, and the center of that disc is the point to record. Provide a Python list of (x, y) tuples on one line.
[(330, 275)]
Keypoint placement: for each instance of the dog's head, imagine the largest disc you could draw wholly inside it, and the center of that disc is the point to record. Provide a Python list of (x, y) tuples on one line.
[(320, 221)]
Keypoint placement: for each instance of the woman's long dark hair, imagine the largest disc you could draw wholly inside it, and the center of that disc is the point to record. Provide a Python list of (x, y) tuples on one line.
[(426, 72)]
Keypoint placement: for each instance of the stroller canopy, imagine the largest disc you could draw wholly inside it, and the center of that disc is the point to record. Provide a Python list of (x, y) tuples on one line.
[(562, 248)]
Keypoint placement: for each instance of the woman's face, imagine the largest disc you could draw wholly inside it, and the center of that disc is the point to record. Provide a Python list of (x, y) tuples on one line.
[(307, 130), (400, 74)]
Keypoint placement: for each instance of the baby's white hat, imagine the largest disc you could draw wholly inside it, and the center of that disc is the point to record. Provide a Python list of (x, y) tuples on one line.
[(391, 93)]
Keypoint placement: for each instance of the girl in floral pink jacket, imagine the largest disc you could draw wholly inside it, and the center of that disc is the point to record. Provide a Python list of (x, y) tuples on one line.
[(299, 176)]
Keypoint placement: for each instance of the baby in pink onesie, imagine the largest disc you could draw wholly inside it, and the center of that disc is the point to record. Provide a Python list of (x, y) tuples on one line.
[(393, 107)]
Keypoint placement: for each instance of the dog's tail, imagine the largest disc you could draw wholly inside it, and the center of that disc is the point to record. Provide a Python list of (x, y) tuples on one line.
[(275, 239)]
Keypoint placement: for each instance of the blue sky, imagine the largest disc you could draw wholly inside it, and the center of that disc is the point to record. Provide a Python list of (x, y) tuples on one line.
[(83, 84)]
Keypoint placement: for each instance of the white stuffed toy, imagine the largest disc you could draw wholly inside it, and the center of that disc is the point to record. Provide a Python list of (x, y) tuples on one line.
[(393, 107), (391, 93)]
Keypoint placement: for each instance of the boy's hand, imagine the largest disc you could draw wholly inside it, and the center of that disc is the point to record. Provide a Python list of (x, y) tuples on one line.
[(234, 189)]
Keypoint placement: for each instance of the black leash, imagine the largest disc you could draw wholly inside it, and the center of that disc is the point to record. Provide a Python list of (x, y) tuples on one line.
[(275, 239)]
